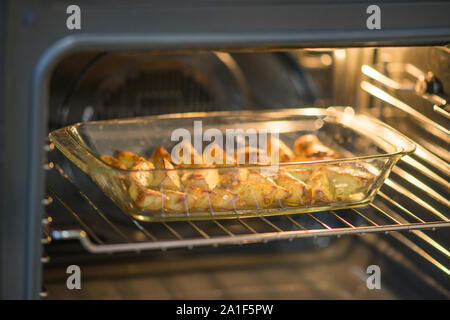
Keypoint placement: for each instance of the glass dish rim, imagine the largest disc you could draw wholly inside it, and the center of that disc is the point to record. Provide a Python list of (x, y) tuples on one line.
[(308, 111)]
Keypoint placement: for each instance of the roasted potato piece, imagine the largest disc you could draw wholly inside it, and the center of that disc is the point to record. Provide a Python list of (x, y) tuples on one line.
[(223, 199), (256, 177), (309, 147), (248, 155), (191, 159), (165, 179), (144, 175), (146, 198), (127, 158), (178, 201), (348, 181), (285, 154), (214, 155), (203, 198), (256, 195), (300, 192), (158, 156), (302, 173), (218, 199), (112, 161), (205, 179), (232, 177), (152, 200), (322, 191)]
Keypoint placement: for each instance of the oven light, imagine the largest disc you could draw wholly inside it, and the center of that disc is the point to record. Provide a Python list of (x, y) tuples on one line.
[(340, 54)]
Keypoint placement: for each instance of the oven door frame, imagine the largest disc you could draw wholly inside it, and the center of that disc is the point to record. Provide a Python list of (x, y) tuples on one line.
[(36, 39)]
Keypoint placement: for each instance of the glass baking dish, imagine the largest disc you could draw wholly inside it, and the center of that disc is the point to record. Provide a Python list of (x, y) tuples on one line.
[(366, 150)]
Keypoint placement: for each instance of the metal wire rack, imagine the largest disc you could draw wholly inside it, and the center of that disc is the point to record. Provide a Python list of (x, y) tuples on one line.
[(101, 232)]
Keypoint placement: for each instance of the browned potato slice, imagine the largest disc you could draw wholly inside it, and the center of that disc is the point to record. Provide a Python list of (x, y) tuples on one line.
[(214, 155), (301, 172), (127, 159), (224, 199), (149, 199), (322, 191), (309, 147), (146, 198), (230, 178), (248, 155), (112, 161), (205, 179), (285, 154), (203, 198), (158, 156), (300, 192), (348, 181), (144, 175), (191, 160), (256, 177), (256, 195), (166, 179), (178, 201), (218, 199)]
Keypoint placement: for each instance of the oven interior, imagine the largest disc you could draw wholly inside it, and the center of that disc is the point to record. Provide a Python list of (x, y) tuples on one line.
[(327, 254)]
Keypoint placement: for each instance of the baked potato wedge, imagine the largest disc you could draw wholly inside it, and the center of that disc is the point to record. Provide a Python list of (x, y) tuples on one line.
[(158, 156), (217, 199), (215, 156), (347, 181), (256, 195), (281, 193), (206, 179), (191, 159), (152, 200), (299, 192), (223, 199), (322, 190), (232, 177), (127, 158), (143, 176), (202, 198), (249, 155), (309, 147), (303, 173), (146, 198), (165, 179), (285, 154), (112, 161), (178, 201)]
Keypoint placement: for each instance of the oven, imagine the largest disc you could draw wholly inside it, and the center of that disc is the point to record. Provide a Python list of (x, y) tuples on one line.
[(123, 60)]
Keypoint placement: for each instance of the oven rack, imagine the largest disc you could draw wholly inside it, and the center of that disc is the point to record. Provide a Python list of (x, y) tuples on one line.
[(99, 233), (418, 87)]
